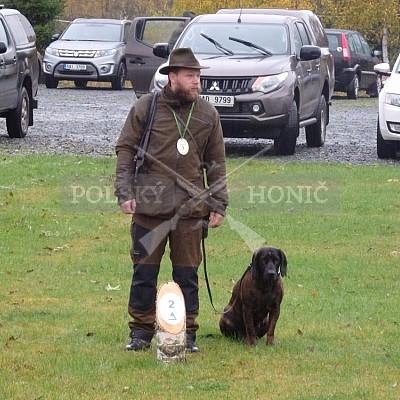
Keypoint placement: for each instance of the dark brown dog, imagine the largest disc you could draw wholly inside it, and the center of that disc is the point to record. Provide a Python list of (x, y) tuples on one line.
[(254, 307)]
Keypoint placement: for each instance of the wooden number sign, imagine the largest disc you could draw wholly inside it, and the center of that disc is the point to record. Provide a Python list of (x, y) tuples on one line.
[(171, 323)]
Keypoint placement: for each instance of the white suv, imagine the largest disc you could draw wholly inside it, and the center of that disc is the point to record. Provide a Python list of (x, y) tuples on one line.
[(88, 50), (388, 127)]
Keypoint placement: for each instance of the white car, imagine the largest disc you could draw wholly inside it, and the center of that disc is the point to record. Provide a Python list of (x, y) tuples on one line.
[(388, 127), (88, 50)]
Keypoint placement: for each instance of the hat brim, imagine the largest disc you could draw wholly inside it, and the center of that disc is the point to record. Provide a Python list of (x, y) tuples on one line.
[(167, 69)]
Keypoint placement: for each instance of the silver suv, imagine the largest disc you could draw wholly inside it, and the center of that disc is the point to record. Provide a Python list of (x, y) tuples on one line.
[(88, 50), (19, 72)]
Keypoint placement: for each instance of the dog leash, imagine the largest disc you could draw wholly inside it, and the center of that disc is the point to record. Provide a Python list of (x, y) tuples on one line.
[(203, 246)]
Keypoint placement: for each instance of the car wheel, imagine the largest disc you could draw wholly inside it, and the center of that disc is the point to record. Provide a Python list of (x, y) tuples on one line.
[(17, 120), (315, 134), (50, 82), (80, 83), (375, 88), (285, 144), (385, 148), (118, 82), (354, 88)]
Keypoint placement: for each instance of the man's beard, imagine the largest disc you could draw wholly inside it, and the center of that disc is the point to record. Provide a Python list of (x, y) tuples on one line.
[(187, 96)]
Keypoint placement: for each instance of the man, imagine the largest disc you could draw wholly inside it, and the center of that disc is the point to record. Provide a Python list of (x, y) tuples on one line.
[(168, 201)]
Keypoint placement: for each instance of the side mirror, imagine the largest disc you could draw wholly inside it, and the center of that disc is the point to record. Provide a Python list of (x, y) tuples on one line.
[(3, 48), (310, 53), (377, 53), (55, 37), (382, 69), (161, 50)]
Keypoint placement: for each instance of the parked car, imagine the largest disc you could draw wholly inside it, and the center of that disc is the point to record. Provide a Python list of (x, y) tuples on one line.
[(143, 35), (354, 63), (88, 50), (388, 126), (19, 72), (269, 74)]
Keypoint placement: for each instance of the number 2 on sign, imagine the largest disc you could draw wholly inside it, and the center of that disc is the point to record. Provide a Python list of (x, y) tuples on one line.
[(171, 304)]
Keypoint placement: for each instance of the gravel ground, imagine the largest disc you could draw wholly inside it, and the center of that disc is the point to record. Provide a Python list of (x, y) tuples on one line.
[(88, 122)]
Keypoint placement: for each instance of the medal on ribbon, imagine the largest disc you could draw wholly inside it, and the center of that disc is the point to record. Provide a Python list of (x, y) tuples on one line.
[(182, 144)]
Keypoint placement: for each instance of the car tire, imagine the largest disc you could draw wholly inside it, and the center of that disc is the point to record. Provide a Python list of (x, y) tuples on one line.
[(50, 82), (375, 88), (285, 144), (118, 82), (315, 133), (17, 120), (80, 83), (385, 148), (354, 88)]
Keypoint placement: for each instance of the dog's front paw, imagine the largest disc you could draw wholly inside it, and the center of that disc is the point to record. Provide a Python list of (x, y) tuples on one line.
[(270, 340)]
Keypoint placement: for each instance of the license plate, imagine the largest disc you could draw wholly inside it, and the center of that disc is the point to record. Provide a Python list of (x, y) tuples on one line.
[(219, 101), (75, 67)]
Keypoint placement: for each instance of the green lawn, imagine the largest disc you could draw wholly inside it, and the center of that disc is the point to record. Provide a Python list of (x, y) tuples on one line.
[(65, 276)]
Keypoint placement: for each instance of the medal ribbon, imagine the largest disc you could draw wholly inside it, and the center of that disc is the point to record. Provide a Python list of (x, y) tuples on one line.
[(182, 134)]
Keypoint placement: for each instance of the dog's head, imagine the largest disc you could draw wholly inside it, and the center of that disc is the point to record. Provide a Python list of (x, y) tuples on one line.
[(268, 263)]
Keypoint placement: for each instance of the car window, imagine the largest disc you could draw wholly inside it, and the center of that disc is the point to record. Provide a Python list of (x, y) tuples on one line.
[(297, 42), (305, 39), (17, 30), (357, 44), (365, 46), (30, 33), (333, 42), (97, 32), (318, 31), (150, 32), (271, 37), (350, 42), (127, 27), (3, 34)]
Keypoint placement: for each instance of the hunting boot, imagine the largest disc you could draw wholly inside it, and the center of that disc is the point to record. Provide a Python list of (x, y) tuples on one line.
[(142, 306), (187, 279)]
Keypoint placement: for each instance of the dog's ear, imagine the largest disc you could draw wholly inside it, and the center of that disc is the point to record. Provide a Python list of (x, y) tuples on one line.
[(283, 263), (254, 266)]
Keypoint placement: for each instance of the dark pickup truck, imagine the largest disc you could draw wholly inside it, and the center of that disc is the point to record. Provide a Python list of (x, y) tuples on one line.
[(19, 72), (271, 73)]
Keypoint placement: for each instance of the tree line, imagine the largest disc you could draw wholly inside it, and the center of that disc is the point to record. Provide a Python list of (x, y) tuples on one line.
[(377, 20)]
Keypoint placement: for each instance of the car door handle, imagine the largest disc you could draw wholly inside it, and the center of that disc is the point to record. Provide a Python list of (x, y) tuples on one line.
[(137, 60)]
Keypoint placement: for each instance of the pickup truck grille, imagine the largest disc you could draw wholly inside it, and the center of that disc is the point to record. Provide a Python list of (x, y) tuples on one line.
[(77, 53), (226, 85)]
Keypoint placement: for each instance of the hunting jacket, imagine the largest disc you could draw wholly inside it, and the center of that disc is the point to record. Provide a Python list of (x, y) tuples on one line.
[(170, 183)]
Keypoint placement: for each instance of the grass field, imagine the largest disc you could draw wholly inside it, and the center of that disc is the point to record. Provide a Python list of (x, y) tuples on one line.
[(65, 276)]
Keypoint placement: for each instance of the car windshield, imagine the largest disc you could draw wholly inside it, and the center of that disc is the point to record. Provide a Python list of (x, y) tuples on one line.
[(254, 39), (97, 32)]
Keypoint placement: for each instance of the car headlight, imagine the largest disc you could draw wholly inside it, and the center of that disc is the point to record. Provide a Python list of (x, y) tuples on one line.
[(267, 84), (52, 51), (103, 53), (392, 99), (160, 80)]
